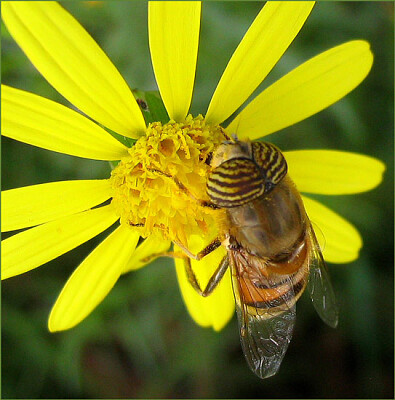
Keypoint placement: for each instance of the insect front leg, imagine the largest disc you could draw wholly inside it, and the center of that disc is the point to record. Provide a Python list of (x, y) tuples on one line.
[(188, 255), (214, 280), (183, 188)]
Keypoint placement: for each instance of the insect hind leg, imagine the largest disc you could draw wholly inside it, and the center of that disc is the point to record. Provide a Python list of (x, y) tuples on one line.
[(186, 253), (213, 281), (202, 253)]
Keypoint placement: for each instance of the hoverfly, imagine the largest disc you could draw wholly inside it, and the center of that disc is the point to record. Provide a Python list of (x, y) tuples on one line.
[(271, 247)]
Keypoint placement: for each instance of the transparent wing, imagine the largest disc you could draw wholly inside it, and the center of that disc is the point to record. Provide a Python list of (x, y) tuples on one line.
[(319, 285), (265, 341), (265, 331)]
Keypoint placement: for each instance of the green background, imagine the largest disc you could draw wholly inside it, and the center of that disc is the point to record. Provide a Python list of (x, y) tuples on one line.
[(140, 342)]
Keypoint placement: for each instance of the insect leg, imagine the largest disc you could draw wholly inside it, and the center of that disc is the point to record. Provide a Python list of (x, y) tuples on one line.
[(214, 280), (184, 189), (186, 252), (207, 250)]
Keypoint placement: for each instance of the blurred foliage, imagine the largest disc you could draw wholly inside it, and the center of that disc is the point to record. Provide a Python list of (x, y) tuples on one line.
[(140, 342)]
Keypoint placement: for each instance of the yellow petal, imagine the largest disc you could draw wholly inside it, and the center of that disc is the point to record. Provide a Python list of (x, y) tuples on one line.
[(151, 246), (269, 36), (306, 90), (33, 205), (173, 28), (73, 63), (333, 172), (36, 246), (218, 308), (41, 122), (93, 279), (338, 238)]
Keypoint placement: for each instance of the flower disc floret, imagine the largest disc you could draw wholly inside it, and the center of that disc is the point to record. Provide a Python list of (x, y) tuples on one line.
[(145, 195)]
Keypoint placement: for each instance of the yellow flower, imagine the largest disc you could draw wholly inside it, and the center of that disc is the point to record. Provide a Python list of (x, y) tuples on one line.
[(62, 215)]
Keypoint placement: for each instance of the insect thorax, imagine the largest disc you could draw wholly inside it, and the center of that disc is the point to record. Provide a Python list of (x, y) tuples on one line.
[(269, 224)]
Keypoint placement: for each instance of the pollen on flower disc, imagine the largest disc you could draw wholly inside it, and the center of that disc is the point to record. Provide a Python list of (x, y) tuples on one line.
[(144, 194)]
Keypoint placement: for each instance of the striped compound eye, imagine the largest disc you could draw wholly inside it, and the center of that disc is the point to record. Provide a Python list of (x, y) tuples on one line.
[(240, 180), (272, 163), (235, 182)]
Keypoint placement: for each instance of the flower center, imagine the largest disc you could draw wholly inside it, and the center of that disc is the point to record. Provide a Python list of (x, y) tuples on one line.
[(145, 195)]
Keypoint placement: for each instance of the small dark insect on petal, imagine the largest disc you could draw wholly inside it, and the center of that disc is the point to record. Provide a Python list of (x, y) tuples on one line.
[(143, 105)]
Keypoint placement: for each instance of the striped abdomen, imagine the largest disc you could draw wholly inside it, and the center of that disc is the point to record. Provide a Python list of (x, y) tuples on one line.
[(269, 287)]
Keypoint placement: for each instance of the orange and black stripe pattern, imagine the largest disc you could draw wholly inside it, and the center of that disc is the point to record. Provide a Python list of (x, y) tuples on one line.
[(273, 296), (265, 284)]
